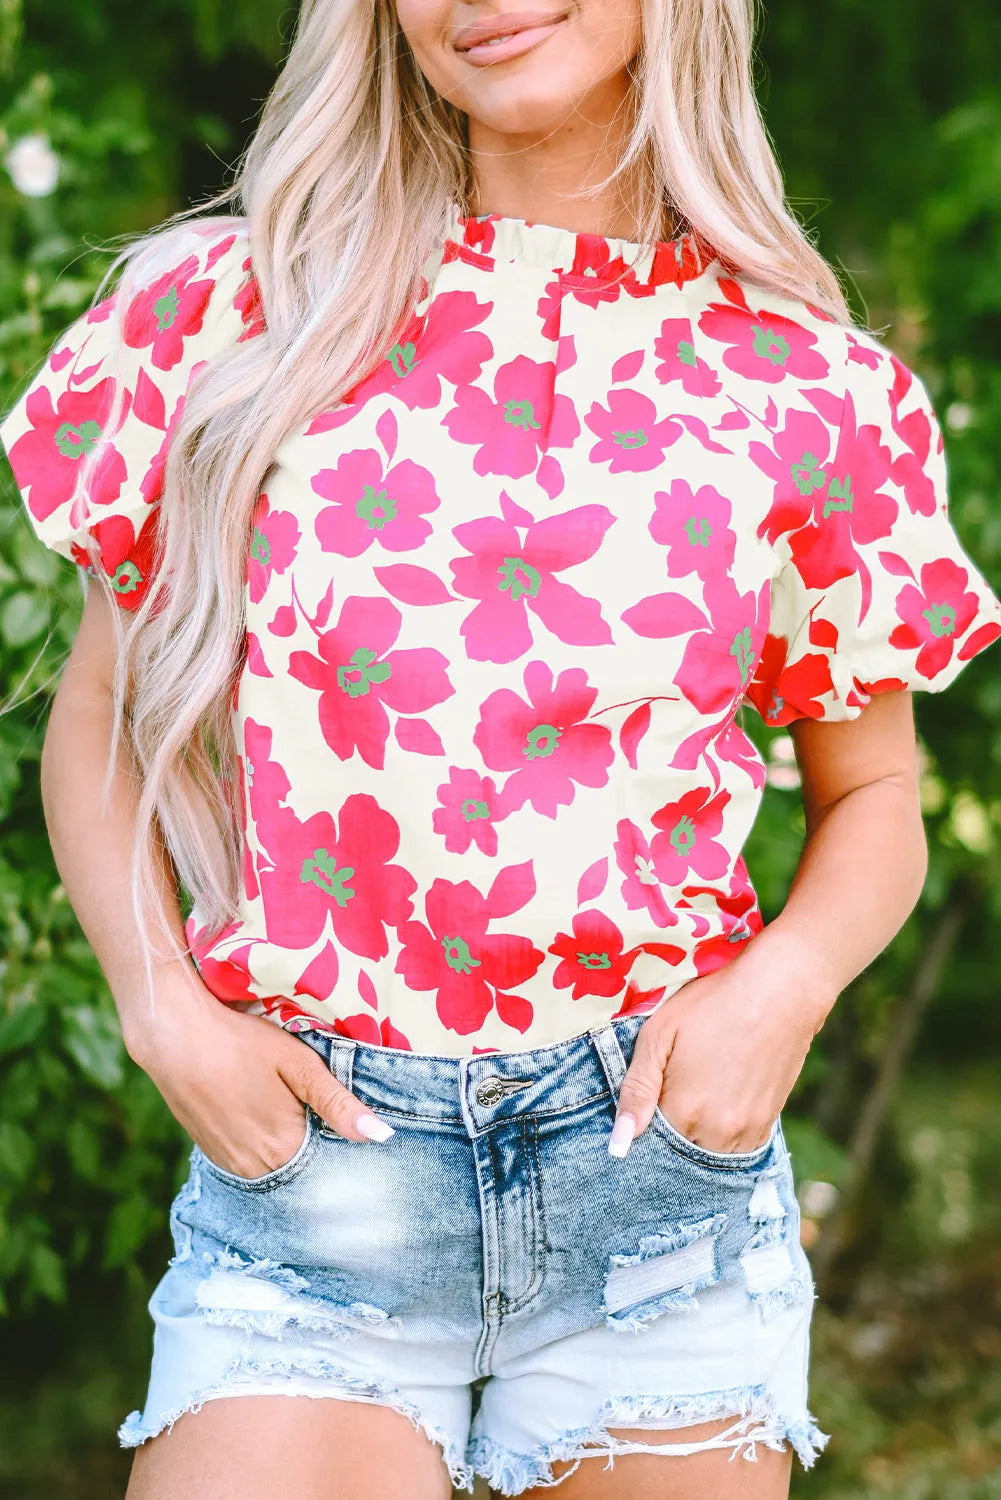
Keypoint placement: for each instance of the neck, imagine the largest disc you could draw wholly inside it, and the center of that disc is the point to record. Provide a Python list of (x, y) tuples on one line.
[(539, 179)]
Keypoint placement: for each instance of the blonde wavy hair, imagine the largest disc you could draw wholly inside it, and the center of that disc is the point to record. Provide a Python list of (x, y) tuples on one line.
[(344, 189)]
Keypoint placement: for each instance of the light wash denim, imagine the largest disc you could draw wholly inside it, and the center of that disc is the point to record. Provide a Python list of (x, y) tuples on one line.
[(494, 1273)]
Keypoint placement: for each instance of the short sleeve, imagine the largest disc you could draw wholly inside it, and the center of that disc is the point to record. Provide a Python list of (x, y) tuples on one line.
[(874, 591), (112, 389)]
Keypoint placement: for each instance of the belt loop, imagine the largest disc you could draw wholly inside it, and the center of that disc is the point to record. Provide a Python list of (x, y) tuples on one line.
[(342, 1055), (610, 1054)]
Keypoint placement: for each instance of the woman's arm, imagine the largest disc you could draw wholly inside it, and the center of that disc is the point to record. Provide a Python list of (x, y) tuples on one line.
[(235, 1082), (721, 1054)]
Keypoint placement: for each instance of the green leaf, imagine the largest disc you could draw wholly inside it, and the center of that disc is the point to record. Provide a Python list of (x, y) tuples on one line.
[(94, 1041), (23, 617)]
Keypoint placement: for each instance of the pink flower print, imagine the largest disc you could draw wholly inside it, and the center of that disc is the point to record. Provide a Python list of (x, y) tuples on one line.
[(358, 677), (674, 348), (166, 313), (363, 1027), (763, 345), (630, 437), (370, 504), (46, 459), (718, 663), (274, 539), (524, 419), (456, 956), (695, 529), (467, 812), (917, 429), (641, 887), (267, 783), (935, 616), (441, 343), (543, 741), (686, 842), (510, 577), (593, 960), (249, 304), (797, 462), (595, 277), (342, 872)]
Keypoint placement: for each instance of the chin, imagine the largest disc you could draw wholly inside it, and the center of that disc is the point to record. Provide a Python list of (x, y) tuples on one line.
[(524, 111)]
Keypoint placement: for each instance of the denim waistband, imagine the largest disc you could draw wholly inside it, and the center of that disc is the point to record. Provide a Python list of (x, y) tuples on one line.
[(482, 1089)]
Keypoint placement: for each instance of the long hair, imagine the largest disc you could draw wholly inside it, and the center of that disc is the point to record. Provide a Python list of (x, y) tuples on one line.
[(343, 190)]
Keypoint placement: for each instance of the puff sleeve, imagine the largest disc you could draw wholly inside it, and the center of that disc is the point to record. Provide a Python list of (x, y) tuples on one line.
[(112, 389), (874, 591)]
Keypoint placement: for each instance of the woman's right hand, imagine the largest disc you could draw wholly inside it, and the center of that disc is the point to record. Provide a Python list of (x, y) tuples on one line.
[(238, 1083)]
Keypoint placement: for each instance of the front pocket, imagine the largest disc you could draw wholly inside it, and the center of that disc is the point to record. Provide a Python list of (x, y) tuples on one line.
[(728, 1161), (278, 1175)]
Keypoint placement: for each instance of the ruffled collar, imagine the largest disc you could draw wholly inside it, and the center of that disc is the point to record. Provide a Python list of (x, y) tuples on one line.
[(584, 259)]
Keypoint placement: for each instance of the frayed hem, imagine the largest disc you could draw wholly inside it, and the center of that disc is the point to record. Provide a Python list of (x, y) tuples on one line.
[(510, 1473), (135, 1431)]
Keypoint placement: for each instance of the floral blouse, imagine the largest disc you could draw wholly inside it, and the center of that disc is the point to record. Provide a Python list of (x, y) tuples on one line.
[(503, 603)]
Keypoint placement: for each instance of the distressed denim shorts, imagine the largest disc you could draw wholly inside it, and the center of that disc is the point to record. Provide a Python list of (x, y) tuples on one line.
[(493, 1273)]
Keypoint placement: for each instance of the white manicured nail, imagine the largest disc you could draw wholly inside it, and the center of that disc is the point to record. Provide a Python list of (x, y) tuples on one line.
[(622, 1134), (374, 1128)]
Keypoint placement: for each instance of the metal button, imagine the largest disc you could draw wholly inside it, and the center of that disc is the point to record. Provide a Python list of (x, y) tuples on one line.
[(492, 1090)]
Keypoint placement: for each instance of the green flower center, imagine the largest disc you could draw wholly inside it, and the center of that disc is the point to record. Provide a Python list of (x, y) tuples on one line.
[(458, 956), (541, 741), (77, 441), (840, 496), (686, 353), (322, 871), (520, 414), (682, 836), (402, 357), (698, 531), (941, 619), (165, 309), (743, 650), (594, 960), (375, 508), (358, 675), (518, 577), (260, 547), (472, 810), (770, 346), (126, 578), (808, 475), (630, 437)]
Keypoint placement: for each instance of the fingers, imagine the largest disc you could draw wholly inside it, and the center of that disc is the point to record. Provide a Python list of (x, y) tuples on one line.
[(642, 1086), (308, 1078)]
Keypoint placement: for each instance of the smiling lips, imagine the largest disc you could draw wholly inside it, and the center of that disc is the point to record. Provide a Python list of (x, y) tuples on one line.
[(508, 35)]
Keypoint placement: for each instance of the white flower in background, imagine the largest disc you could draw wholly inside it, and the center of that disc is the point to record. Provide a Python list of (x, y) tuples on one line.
[(33, 166)]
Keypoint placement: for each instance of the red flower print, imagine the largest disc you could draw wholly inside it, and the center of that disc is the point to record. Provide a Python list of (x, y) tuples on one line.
[(676, 351), (372, 504), (920, 431), (543, 741), (525, 418), (641, 887), (630, 437), (783, 691), (595, 277), (695, 529), (593, 960), (935, 616), (454, 954), (363, 1027), (686, 842), (763, 345), (45, 460), (359, 677), (274, 539), (339, 873), (249, 305), (166, 313), (739, 918), (510, 577), (467, 813), (438, 344), (129, 560)]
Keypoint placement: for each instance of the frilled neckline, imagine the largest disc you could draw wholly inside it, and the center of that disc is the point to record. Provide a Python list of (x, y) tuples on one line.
[(488, 240)]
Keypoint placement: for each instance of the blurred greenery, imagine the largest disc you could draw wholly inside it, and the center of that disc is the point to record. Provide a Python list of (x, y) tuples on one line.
[(887, 120)]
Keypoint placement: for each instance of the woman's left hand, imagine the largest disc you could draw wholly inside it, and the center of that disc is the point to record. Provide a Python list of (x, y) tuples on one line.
[(720, 1057)]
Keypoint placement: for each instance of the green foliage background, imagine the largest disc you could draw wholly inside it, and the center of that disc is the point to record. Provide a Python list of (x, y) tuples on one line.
[(887, 120)]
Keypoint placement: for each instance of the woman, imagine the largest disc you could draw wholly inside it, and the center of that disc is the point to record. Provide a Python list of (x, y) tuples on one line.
[(441, 508)]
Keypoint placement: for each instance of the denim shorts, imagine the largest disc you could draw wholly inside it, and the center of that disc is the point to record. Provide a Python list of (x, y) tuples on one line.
[(493, 1273)]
